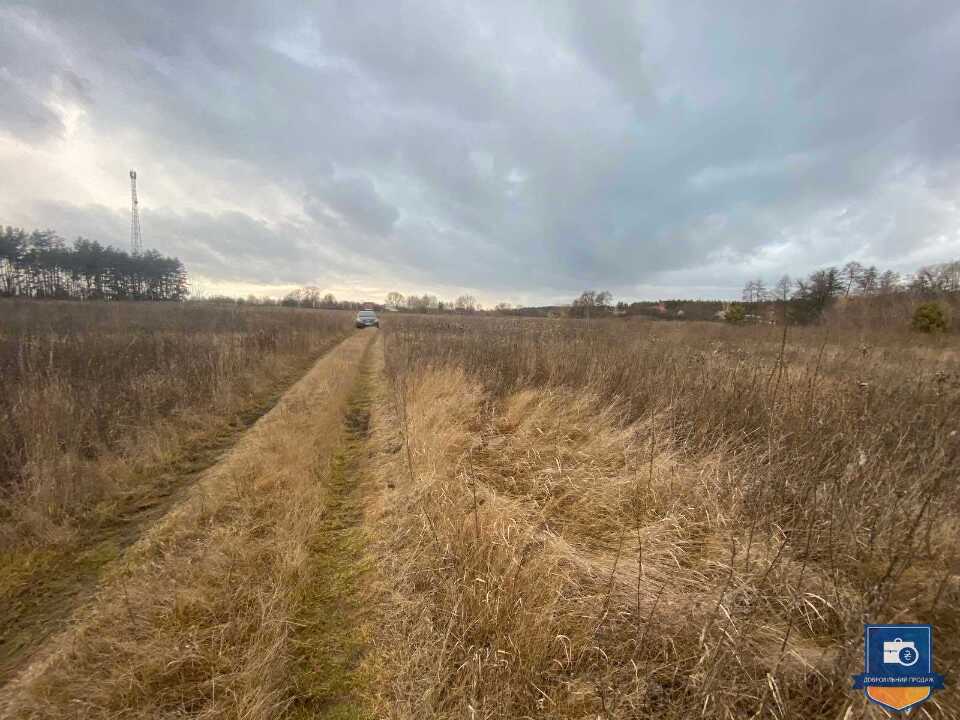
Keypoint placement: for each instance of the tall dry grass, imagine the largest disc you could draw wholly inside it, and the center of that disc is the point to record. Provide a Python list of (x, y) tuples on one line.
[(889, 314), (91, 394), (212, 614), (660, 521)]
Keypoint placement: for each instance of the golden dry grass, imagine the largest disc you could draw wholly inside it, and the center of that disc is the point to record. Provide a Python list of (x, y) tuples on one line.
[(567, 520), (95, 396), (107, 413), (205, 616), (598, 525)]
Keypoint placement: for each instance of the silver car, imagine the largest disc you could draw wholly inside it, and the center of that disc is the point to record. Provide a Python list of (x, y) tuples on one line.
[(367, 318)]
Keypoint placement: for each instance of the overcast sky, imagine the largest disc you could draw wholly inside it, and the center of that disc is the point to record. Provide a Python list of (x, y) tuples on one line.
[(520, 151)]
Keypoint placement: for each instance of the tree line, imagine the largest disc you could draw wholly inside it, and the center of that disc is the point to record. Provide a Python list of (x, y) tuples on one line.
[(431, 303), (805, 299), (40, 264), (313, 298), (809, 297)]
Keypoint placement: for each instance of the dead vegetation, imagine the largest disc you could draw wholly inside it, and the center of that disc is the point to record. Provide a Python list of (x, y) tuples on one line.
[(567, 520), (581, 521), (214, 613), (94, 396), (107, 413)]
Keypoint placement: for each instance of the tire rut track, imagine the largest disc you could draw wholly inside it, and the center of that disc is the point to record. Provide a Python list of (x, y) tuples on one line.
[(60, 580), (334, 626), (92, 635)]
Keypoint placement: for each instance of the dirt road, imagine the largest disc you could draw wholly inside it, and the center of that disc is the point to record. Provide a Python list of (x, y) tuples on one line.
[(243, 599), (41, 587)]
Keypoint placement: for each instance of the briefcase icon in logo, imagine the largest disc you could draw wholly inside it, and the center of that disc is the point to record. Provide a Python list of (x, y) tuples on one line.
[(898, 666), (900, 652)]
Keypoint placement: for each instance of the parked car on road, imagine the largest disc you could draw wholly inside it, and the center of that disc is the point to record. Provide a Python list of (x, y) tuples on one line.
[(367, 318)]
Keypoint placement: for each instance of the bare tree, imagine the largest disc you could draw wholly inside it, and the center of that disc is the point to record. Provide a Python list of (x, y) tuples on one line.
[(423, 303), (754, 291), (890, 282), (783, 288), (760, 290), (851, 274), (941, 278), (590, 303), (465, 303), (868, 280)]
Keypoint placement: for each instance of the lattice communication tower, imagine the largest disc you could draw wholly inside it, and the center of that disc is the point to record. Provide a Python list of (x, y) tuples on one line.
[(136, 240)]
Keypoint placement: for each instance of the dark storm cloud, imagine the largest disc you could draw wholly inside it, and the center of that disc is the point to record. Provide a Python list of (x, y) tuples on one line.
[(356, 201), (22, 114), (521, 146), (26, 76)]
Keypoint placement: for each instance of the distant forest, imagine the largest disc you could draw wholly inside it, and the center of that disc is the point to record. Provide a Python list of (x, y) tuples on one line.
[(40, 264)]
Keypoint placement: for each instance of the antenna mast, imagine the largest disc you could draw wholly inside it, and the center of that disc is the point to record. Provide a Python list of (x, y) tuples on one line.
[(136, 241)]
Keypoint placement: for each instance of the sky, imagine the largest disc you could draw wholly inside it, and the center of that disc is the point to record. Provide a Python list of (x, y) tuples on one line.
[(516, 151)]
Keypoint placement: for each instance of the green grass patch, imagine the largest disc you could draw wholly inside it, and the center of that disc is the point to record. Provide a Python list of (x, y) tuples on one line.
[(331, 632)]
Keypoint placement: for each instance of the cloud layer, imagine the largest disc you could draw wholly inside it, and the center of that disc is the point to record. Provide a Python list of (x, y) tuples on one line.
[(517, 150)]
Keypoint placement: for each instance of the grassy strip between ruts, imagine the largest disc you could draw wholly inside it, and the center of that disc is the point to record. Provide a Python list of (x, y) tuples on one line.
[(333, 629), (206, 615)]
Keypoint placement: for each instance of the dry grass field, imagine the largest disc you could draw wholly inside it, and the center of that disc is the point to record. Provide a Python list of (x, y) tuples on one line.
[(89, 392), (506, 518), (213, 613), (107, 412), (660, 520)]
